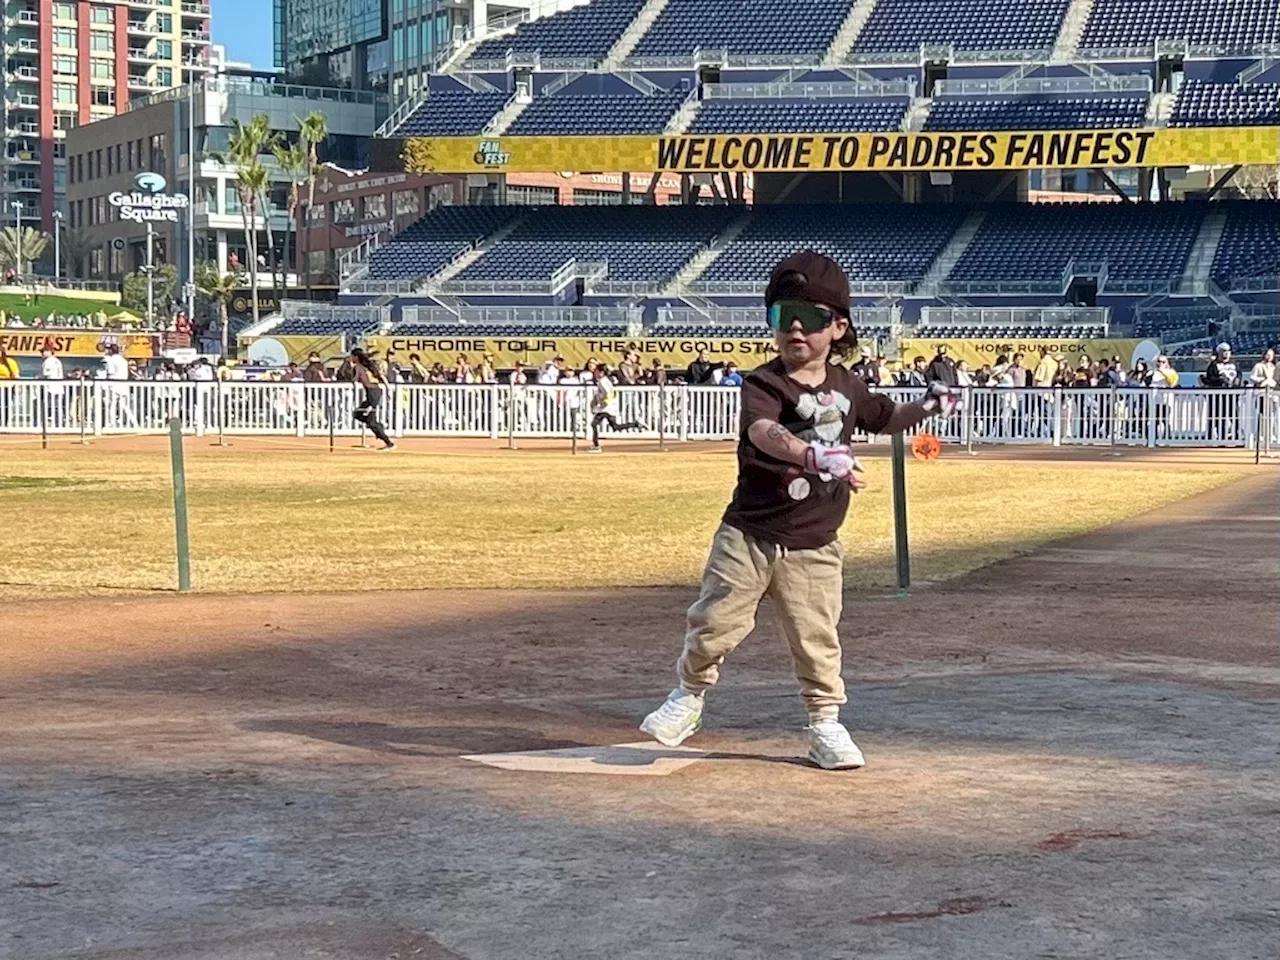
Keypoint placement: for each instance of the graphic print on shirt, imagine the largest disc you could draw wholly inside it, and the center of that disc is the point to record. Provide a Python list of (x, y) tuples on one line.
[(826, 413)]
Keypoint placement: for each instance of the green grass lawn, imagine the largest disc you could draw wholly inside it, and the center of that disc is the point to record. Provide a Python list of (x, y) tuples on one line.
[(12, 303), (97, 521)]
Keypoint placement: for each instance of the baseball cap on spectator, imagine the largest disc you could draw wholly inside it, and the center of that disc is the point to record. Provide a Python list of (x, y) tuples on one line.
[(811, 277)]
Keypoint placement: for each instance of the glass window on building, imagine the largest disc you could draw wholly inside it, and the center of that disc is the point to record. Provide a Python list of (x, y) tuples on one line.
[(64, 37), (99, 14), (59, 153), (397, 44), (165, 22), (102, 42), (317, 261), (164, 49), (408, 203), (157, 153), (231, 199), (64, 93), (102, 69), (533, 196), (102, 96), (597, 198), (315, 214), (375, 207), (411, 42), (115, 262), (65, 65), (64, 11), (64, 121), (344, 211), (95, 263), (164, 75), (129, 154)]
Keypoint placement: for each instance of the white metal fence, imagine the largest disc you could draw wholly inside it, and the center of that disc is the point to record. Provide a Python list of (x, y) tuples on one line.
[(1119, 417)]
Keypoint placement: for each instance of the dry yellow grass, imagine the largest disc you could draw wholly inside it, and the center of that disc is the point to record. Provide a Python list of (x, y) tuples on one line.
[(98, 521)]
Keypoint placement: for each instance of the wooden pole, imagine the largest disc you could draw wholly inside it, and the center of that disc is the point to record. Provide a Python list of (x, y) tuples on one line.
[(180, 504)]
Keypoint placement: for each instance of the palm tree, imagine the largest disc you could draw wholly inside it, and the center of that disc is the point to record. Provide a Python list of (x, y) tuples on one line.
[(245, 146), (30, 246), (218, 287), (76, 247), (292, 159), (313, 130)]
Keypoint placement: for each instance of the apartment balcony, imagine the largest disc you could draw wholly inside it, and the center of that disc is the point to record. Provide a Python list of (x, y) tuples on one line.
[(24, 128), (24, 157), (195, 10), (140, 28), (195, 38), (25, 101), (142, 83), (138, 55), (22, 186), (28, 45), (150, 4), (23, 18), (23, 75)]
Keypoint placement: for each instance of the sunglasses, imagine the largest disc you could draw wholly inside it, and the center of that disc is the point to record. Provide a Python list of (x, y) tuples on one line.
[(811, 316)]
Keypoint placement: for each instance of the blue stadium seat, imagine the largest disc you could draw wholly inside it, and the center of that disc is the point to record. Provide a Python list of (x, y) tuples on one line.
[(903, 25), (759, 27), (510, 330), (1227, 24), (597, 114), (586, 32), (318, 325), (640, 243), (1147, 241), (428, 245), (1037, 113), (1202, 104), (871, 242), (817, 115), (1250, 245), (452, 113)]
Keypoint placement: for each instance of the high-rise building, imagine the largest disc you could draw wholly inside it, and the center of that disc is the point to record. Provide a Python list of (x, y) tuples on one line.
[(71, 62), (386, 45)]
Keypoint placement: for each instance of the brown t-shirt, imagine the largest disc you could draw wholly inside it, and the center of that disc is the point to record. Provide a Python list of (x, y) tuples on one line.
[(779, 502)]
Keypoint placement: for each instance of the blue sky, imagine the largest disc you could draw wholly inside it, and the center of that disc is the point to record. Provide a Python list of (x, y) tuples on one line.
[(245, 27)]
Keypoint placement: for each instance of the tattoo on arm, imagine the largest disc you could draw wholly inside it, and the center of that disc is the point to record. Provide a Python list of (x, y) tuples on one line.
[(777, 432)]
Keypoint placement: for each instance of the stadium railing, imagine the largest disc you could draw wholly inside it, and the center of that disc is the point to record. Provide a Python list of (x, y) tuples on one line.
[(1142, 417)]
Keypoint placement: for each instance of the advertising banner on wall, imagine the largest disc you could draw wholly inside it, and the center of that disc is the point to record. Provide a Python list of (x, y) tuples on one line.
[(878, 152)]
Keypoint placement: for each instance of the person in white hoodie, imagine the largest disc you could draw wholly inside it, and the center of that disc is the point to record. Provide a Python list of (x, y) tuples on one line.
[(1264, 371)]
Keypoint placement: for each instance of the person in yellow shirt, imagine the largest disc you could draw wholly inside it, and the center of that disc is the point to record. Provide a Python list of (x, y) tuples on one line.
[(1045, 369), (8, 366)]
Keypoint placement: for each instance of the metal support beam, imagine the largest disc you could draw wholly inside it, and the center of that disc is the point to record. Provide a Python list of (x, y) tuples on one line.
[(1115, 187), (1222, 181)]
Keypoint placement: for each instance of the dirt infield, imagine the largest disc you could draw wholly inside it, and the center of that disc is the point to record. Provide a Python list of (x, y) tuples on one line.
[(1074, 753)]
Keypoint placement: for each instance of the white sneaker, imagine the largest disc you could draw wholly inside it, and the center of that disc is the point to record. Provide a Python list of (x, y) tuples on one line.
[(678, 719), (831, 747)]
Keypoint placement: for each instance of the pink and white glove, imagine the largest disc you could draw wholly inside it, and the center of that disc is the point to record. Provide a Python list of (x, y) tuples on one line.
[(940, 399), (835, 462)]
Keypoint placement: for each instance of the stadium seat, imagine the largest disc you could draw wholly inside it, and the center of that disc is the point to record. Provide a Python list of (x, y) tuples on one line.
[(1034, 242), (972, 25), (1202, 104), (817, 115), (453, 113), (1225, 24), (597, 114), (586, 32), (428, 245), (744, 27), (1037, 113), (1250, 245), (640, 243), (510, 330), (872, 242)]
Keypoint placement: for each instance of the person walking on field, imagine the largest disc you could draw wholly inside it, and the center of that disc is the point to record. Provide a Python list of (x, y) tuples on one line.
[(367, 374), (778, 536)]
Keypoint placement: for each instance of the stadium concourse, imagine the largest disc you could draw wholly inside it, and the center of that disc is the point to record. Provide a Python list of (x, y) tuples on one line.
[(903, 138)]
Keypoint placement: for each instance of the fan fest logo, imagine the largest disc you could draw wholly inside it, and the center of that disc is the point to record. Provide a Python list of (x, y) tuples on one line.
[(490, 154), (148, 201)]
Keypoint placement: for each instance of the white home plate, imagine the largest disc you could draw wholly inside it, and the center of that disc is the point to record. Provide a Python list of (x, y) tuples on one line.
[(646, 759)]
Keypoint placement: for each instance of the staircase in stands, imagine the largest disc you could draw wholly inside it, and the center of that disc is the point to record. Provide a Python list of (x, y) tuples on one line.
[(849, 32), (708, 255), (638, 27), (435, 284), (950, 255), (1067, 45)]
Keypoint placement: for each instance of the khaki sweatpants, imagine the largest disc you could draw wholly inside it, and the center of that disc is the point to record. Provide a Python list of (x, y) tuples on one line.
[(808, 588)]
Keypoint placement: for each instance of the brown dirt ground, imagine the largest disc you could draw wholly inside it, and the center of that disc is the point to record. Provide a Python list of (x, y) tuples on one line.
[(1072, 753)]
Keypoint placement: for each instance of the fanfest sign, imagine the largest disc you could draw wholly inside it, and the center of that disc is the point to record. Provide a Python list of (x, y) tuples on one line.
[(881, 152), (980, 352), (30, 343)]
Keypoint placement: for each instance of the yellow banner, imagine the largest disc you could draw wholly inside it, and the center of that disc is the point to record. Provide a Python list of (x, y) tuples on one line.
[(280, 351), (980, 352), (799, 152), (65, 343), (532, 351)]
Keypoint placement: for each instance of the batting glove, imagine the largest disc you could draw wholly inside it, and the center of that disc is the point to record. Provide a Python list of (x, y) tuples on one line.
[(940, 399), (836, 462)]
